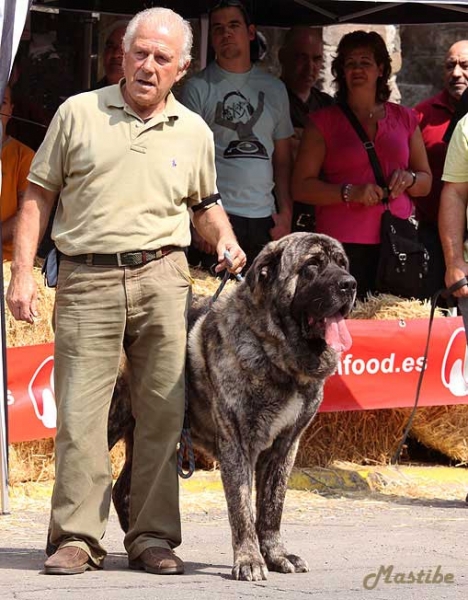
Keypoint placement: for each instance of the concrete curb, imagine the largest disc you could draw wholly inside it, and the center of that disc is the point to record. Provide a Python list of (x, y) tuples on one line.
[(349, 477)]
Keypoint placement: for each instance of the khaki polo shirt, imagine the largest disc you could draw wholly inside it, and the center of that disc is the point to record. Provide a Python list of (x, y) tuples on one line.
[(124, 183)]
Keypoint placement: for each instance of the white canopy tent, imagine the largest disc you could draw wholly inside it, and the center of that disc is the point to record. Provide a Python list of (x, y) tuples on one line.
[(284, 13)]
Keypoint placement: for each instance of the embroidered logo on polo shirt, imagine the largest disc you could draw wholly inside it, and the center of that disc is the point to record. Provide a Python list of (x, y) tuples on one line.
[(174, 163)]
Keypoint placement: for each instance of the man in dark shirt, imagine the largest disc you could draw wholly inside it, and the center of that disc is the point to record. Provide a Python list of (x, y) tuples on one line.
[(301, 58)]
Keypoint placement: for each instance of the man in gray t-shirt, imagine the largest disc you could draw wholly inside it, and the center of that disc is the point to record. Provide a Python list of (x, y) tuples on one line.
[(248, 112)]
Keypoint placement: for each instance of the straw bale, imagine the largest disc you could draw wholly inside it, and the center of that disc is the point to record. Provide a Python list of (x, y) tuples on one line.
[(445, 429), (205, 284), (362, 437), (31, 461), (387, 306)]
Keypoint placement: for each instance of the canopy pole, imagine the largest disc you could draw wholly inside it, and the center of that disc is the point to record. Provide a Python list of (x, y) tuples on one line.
[(204, 40), (13, 15)]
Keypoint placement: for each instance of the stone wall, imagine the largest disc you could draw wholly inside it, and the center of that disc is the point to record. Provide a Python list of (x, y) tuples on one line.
[(423, 50)]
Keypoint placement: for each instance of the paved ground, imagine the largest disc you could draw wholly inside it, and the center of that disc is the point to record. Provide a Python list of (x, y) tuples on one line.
[(413, 520)]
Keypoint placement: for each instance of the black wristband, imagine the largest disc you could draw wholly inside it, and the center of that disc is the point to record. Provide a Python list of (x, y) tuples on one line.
[(207, 202)]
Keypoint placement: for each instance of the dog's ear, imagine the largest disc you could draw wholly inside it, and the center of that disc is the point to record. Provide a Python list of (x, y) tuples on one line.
[(265, 267)]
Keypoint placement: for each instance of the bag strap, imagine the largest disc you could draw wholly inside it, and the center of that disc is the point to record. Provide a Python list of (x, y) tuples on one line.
[(370, 149)]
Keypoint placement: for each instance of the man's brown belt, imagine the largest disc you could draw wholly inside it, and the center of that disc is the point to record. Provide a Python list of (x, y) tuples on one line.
[(122, 259)]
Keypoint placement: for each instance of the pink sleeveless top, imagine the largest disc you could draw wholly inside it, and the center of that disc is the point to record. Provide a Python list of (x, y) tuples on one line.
[(346, 161)]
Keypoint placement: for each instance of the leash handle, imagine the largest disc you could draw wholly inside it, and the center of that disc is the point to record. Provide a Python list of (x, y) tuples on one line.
[(185, 453), (228, 258), (226, 276)]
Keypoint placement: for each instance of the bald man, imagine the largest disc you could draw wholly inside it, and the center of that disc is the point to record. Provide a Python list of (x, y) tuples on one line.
[(301, 58), (113, 55), (435, 115)]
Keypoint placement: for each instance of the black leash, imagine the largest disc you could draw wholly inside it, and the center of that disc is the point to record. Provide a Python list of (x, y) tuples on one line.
[(185, 453), (445, 293)]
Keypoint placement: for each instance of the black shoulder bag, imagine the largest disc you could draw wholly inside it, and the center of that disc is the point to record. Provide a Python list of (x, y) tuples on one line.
[(404, 260)]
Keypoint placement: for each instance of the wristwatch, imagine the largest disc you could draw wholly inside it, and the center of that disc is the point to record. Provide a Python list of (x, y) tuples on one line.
[(413, 175)]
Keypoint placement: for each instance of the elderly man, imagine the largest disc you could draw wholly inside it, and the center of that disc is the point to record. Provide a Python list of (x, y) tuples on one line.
[(127, 162), (301, 58), (247, 110), (435, 115)]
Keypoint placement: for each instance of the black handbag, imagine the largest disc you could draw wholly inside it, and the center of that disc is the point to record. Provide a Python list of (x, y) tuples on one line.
[(403, 261)]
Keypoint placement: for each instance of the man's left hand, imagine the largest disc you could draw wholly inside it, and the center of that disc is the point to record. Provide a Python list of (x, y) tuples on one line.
[(282, 226), (237, 255)]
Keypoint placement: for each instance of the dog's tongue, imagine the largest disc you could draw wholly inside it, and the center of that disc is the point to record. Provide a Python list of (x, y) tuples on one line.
[(336, 333)]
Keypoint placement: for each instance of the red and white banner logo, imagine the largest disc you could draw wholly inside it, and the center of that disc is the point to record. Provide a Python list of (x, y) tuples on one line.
[(41, 393), (454, 373)]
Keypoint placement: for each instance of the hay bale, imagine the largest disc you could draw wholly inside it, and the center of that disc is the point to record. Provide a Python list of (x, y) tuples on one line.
[(445, 429), (362, 437), (31, 461), (386, 306)]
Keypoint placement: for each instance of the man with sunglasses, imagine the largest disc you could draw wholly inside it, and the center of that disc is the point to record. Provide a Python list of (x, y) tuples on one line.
[(248, 112)]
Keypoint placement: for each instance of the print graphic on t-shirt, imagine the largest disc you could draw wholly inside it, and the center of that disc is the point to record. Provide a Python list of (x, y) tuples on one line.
[(236, 112)]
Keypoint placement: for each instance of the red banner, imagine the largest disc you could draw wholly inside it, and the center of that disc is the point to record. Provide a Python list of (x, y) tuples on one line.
[(380, 370)]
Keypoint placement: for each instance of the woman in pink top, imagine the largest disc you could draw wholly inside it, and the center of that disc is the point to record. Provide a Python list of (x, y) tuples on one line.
[(333, 170)]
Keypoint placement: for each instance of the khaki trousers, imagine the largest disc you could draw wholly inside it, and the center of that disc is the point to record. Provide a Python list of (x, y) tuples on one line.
[(99, 311)]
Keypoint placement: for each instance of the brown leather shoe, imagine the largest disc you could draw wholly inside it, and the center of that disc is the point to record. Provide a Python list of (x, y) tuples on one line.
[(159, 561), (69, 560)]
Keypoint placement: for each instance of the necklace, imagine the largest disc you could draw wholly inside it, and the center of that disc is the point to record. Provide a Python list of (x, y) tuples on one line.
[(375, 111), (369, 113)]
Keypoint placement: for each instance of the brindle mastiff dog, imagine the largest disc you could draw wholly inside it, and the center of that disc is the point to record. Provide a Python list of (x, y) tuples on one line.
[(257, 362)]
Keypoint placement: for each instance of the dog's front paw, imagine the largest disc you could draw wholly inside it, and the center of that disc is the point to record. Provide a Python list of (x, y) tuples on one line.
[(249, 568), (286, 563)]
